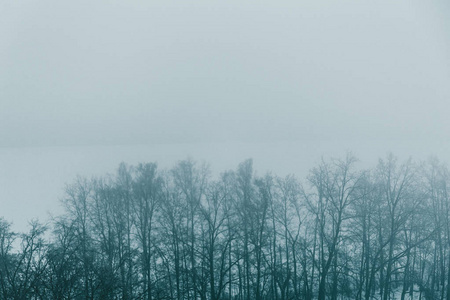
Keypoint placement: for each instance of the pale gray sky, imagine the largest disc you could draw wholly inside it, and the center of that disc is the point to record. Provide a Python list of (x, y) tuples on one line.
[(282, 81)]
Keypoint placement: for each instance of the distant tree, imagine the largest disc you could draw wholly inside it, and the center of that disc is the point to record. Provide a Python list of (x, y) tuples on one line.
[(64, 274), (191, 183), (335, 184), (7, 259), (399, 201), (147, 197), (78, 206)]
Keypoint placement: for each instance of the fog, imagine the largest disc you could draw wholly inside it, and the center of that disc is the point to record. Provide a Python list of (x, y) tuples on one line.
[(85, 85)]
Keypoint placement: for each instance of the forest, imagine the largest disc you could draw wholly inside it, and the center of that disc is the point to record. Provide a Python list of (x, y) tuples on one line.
[(342, 232)]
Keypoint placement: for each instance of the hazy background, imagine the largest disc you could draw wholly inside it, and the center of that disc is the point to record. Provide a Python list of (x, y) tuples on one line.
[(85, 85)]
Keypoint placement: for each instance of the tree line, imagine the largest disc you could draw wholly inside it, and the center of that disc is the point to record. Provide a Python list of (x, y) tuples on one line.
[(145, 233)]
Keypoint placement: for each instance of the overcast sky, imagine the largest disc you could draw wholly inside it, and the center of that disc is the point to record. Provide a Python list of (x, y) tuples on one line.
[(87, 84)]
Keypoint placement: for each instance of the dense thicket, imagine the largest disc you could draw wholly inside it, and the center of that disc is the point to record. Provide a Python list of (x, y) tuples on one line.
[(180, 234)]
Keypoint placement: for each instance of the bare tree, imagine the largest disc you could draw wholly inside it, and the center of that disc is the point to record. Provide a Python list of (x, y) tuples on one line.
[(335, 184)]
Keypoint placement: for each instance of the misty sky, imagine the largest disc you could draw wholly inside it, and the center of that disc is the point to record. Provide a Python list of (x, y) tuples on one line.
[(87, 84)]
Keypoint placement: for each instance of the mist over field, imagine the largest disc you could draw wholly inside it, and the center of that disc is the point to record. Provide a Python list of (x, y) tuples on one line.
[(294, 86), (33, 178)]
